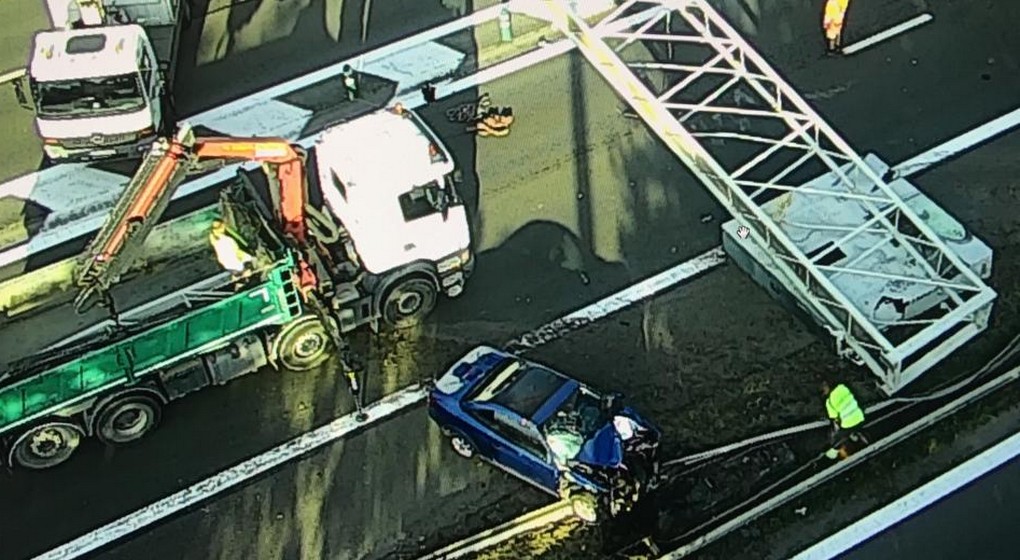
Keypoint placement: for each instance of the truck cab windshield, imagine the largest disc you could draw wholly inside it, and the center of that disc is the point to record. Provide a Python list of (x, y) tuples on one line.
[(88, 97)]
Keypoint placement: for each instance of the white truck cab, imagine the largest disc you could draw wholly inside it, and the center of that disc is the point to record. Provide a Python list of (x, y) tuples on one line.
[(97, 92), (100, 82), (391, 183)]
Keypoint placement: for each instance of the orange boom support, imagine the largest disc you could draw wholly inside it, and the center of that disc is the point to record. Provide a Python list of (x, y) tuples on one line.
[(164, 168)]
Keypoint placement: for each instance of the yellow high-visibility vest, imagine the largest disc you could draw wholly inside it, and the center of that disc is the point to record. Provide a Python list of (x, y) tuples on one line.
[(835, 13), (842, 407), (229, 252)]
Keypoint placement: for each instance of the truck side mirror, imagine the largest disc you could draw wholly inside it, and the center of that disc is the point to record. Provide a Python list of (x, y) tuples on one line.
[(19, 92)]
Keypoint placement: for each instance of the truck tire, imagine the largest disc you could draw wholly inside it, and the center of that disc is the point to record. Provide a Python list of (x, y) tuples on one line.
[(409, 302), (302, 344), (126, 419), (46, 445)]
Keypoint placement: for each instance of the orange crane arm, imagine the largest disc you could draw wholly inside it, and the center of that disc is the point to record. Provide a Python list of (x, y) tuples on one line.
[(290, 169), (164, 168)]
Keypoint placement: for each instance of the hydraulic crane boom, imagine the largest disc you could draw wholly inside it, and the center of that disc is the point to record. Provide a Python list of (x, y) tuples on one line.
[(162, 171)]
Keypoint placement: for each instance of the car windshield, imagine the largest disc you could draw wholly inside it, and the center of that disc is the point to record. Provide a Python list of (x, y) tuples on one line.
[(577, 420), (521, 387), (91, 96)]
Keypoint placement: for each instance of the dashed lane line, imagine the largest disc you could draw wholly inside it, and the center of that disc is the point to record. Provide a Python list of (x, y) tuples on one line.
[(888, 33)]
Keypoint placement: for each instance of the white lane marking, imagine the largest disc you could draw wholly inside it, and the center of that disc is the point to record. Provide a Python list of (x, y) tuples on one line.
[(625, 298), (958, 145), (914, 502), (888, 33), (378, 411), (233, 476), (83, 188), (262, 116), (553, 513), (48, 238), (12, 75)]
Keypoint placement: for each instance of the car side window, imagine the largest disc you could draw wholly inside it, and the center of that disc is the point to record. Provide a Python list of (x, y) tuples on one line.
[(519, 434)]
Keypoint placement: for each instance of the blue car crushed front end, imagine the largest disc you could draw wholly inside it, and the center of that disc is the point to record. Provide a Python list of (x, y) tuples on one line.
[(594, 444), (619, 462)]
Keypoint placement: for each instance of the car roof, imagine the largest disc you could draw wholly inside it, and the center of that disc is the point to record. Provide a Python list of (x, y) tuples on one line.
[(533, 391)]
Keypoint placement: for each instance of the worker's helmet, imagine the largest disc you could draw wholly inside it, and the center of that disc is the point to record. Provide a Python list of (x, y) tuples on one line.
[(218, 226)]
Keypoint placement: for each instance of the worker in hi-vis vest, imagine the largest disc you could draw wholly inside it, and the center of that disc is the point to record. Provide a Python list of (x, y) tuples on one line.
[(229, 253), (832, 24), (846, 416)]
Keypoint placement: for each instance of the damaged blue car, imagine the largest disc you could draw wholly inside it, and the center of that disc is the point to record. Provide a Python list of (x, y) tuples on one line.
[(547, 429)]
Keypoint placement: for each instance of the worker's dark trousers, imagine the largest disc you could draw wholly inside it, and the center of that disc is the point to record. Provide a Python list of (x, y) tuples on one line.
[(852, 438)]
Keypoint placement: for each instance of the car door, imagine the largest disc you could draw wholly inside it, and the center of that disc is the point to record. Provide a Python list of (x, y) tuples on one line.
[(516, 445)]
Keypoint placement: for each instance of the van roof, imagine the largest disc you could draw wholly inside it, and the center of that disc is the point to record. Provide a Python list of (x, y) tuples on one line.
[(85, 53)]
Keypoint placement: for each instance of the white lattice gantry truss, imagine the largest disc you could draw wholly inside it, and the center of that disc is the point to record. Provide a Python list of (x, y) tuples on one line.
[(847, 246)]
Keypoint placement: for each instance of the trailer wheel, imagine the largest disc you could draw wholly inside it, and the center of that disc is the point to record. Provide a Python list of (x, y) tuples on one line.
[(409, 302), (303, 344), (46, 445), (127, 419)]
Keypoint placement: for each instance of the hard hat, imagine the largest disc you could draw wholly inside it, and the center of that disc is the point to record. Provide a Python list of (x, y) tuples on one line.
[(832, 454)]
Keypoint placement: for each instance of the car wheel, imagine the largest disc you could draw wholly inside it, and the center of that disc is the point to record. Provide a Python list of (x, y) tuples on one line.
[(462, 446), (585, 506)]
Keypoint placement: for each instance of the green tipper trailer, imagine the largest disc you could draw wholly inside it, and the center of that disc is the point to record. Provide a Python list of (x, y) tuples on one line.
[(112, 383)]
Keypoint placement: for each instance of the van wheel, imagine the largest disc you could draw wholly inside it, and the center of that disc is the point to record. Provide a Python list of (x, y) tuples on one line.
[(409, 302), (303, 344), (585, 506), (46, 445), (127, 419)]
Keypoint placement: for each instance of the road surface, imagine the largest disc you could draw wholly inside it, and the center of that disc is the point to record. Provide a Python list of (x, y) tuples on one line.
[(979, 522), (966, 513), (574, 189)]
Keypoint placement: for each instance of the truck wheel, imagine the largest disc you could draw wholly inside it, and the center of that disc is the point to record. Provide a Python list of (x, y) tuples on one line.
[(46, 445), (585, 506), (127, 419), (303, 344), (409, 302)]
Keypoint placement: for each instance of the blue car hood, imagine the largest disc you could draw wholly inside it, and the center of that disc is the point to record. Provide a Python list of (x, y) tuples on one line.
[(604, 449)]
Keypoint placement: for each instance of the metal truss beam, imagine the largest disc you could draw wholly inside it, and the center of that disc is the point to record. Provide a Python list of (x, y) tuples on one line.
[(741, 129)]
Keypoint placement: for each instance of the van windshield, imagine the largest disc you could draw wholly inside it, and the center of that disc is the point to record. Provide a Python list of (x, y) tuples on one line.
[(90, 96)]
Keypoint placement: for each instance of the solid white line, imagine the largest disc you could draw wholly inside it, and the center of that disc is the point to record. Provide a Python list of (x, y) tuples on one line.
[(620, 300), (377, 411), (891, 32), (12, 75), (233, 476), (914, 502), (957, 145), (553, 513)]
